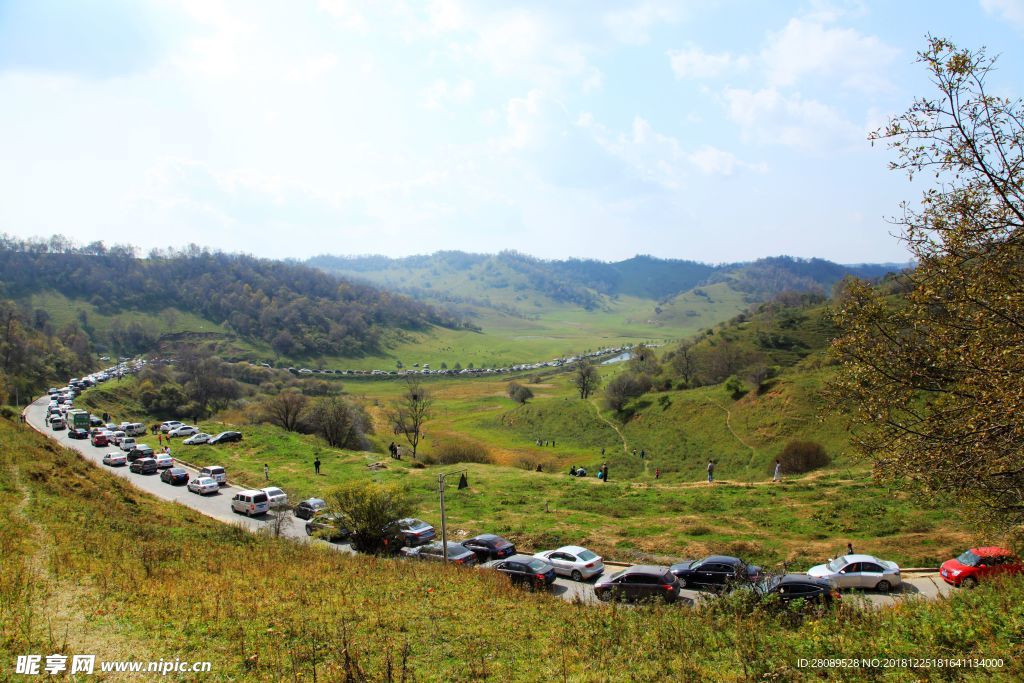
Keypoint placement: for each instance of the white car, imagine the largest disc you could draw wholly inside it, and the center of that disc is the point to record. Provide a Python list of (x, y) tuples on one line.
[(163, 461), (865, 572), (115, 459), (574, 561), (276, 497), (197, 439), (183, 430), (203, 485), (165, 427), (116, 436), (127, 443)]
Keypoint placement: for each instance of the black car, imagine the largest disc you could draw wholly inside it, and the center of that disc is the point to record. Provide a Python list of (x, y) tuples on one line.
[(410, 531), (174, 475), (143, 466), (78, 434), (490, 547), (309, 508), (457, 553), (641, 582), (226, 437), (328, 527), (799, 586), (525, 570), (95, 421), (717, 572)]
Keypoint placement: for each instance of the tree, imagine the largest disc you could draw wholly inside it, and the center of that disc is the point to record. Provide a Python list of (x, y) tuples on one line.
[(205, 381), (341, 424), (410, 412), (285, 409), (643, 361), (625, 387), (518, 393), (365, 509), (683, 363), (934, 385), (586, 378)]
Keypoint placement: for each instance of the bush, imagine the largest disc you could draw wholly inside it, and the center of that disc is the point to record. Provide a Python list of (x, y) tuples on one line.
[(802, 456), (518, 393), (450, 450)]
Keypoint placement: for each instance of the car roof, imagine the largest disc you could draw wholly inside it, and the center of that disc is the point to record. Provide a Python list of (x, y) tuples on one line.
[(645, 569), (519, 557), (722, 559), (804, 578), (311, 501), (860, 558), (574, 549), (989, 551), (486, 537)]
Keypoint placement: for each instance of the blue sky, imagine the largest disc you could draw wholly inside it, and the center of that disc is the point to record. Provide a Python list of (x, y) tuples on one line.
[(711, 130)]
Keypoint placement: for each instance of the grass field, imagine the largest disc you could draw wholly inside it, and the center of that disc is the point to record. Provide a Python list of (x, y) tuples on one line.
[(90, 565), (634, 516)]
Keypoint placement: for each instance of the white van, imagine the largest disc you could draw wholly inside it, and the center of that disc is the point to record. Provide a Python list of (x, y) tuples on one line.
[(250, 503), (134, 429), (215, 472), (127, 443)]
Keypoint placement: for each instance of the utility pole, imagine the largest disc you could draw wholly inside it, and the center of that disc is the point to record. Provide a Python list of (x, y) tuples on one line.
[(444, 525)]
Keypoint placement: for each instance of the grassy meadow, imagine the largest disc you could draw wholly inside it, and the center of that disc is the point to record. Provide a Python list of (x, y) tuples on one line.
[(88, 564)]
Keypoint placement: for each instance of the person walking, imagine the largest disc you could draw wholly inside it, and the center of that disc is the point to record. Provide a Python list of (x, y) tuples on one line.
[(605, 478), (778, 471), (398, 452), (643, 454), (711, 471), (602, 451), (266, 472), (316, 465), (657, 473)]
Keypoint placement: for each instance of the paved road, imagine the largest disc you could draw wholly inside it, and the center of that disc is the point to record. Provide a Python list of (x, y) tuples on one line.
[(218, 506)]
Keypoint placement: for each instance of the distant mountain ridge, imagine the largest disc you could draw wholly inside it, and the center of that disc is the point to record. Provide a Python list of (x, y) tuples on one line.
[(510, 278)]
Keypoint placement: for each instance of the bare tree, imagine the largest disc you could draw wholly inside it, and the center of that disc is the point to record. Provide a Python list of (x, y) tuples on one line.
[(285, 410), (341, 424), (586, 378), (410, 412)]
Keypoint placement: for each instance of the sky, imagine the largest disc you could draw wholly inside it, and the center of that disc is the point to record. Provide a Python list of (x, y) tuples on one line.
[(712, 130)]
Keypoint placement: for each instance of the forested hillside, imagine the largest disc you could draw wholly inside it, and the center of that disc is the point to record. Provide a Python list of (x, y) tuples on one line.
[(297, 310)]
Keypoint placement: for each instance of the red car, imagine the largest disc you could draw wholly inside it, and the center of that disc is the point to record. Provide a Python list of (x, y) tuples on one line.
[(980, 563), (100, 439)]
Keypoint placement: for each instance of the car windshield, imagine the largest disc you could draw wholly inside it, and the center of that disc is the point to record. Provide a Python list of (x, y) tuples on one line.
[(769, 583), (969, 559), (274, 492), (538, 566), (586, 556), (418, 524), (836, 564), (260, 498), (206, 481)]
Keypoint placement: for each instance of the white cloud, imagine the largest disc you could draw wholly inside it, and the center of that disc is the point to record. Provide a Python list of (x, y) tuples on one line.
[(313, 69), (805, 47), (1008, 10), (346, 15), (713, 161), (769, 117), (632, 25), (693, 62), (440, 93)]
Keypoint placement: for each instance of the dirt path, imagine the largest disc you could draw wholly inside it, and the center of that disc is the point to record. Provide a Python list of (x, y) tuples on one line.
[(728, 424), (597, 409)]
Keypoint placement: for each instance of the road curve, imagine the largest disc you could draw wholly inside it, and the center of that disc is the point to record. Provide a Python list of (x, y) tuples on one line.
[(218, 506)]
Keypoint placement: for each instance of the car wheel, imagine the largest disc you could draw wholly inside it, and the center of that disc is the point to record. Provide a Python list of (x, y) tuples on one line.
[(883, 587), (682, 582), (604, 596), (969, 582), (576, 575)]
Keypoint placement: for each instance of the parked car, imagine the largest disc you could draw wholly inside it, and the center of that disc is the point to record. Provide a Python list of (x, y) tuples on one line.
[(225, 437), (792, 587), (127, 443), (197, 439), (166, 427), (184, 430), (310, 507), (276, 497), (100, 439), (525, 569), (716, 572), (203, 485), (115, 459), (490, 547), (327, 526), (116, 436), (574, 561), (215, 472), (141, 450), (143, 466), (457, 553), (859, 571), (412, 531), (174, 475), (164, 461), (249, 502), (78, 434), (978, 564), (640, 582)]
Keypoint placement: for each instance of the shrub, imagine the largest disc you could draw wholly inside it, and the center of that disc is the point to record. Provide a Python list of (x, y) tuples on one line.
[(518, 393), (449, 450), (802, 456)]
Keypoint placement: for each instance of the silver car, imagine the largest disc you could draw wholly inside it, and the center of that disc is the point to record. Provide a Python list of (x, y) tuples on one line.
[(203, 485), (859, 571), (197, 439), (574, 561)]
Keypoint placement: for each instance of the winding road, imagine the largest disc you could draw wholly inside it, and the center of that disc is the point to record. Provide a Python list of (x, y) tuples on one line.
[(218, 506)]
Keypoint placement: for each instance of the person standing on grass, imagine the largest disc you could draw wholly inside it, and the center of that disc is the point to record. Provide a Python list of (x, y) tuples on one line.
[(657, 473), (849, 549), (398, 452), (711, 471), (778, 471), (316, 465), (605, 468), (266, 472)]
